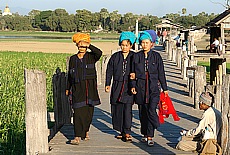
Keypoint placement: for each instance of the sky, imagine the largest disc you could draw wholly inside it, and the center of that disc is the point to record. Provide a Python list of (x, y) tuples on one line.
[(153, 7)]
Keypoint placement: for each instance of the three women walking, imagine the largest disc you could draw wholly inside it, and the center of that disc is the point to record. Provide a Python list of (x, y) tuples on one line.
[(137, 78)]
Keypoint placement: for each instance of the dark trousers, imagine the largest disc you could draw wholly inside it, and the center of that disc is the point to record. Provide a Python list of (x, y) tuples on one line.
[(122, 117), (148, 118), (82, 119)]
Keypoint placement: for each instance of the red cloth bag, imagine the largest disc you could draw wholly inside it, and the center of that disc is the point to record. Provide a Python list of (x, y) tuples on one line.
[(166, 108)]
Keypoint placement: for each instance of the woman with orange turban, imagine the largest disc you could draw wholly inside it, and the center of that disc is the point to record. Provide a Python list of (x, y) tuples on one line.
[(82, 83)]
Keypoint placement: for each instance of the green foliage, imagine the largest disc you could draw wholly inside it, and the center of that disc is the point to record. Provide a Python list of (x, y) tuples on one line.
[(84, 20), (207, 65), (12, 92)]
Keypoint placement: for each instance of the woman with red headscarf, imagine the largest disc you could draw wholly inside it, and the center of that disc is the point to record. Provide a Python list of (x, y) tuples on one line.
[(82, 83)]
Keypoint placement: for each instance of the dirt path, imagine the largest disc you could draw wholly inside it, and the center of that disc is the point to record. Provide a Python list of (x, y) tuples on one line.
[(53, 47)]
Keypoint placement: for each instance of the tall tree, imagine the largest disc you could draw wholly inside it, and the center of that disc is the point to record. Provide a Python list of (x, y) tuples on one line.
[(95, 21), (3, 24), (83, 18), (184, 11), (114, 16), (32, 15), (40, 20), (104, 15)]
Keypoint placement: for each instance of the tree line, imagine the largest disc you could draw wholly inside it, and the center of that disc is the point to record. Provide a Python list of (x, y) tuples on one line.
[(60, 20)]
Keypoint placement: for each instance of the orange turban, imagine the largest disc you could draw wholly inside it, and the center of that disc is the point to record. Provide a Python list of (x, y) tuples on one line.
[(81, 37)]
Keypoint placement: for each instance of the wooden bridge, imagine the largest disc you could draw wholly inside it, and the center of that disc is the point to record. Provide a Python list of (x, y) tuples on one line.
[(102, 135)]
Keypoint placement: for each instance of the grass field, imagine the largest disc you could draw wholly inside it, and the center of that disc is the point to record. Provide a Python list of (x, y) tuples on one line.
[(207, 65), (53, 36), (12, 92), (56, 34)]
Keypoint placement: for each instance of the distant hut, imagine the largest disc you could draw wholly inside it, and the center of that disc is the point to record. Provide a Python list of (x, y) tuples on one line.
[(218, 28), (168, 24)]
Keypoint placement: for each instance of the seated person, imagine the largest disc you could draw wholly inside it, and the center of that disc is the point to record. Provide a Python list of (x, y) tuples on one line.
[(211, 120), (215, 45)]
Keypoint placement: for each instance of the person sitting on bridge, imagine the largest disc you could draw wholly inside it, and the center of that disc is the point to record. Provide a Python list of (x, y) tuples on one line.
[(211, 120), (214, 45)]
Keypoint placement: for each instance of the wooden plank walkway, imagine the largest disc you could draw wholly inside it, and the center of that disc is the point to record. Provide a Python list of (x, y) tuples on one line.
[(102, 140)]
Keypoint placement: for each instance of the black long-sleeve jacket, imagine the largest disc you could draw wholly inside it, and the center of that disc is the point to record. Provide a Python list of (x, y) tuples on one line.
[(88, 66), (119, 70), (156, 74)]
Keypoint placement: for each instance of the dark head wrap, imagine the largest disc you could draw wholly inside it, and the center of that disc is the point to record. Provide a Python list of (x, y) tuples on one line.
[(147, 34)]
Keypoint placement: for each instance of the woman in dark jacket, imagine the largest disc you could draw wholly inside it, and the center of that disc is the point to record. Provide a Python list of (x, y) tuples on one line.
[(82, 83), (148, 71), (121, 98)]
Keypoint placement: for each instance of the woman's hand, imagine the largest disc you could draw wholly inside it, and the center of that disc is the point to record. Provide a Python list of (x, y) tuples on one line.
[(133, 90), (67, 92), (132, 76), (107, 89), (166, 93)]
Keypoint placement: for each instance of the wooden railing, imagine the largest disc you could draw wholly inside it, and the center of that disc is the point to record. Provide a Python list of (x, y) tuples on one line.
[(220, 83)]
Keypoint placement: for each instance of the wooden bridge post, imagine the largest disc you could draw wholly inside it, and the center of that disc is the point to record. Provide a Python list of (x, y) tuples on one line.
[(170, 50), (190, 74), (179, 56), (184, 65), (216, 70), (104, 65), (192, 48), (225, 139), (99, 72), (36, 112), (192, 63), (218, 97), (200, 83), (174, 54), (167, 46)]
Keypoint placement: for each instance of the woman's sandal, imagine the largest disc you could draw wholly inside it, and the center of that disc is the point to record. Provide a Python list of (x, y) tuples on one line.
[(144, 139), (150, 142), (128, 138), (120, 136), (86, 138), (75, 142)]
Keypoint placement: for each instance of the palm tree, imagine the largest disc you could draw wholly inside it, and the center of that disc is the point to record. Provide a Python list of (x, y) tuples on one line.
[(104, 15), (114, 17), (184, 11)]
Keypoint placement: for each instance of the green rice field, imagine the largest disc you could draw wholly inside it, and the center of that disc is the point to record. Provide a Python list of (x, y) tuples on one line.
[(12, 92)]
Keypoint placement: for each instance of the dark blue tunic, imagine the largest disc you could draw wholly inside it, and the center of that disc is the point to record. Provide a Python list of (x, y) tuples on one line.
[(149, 73), (119, 69), (151, 67)]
